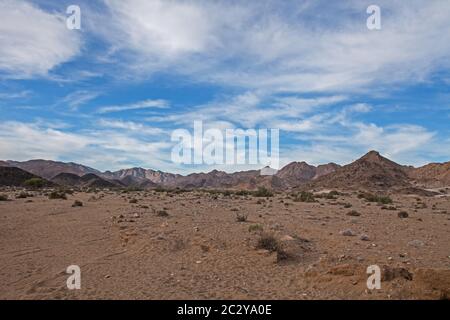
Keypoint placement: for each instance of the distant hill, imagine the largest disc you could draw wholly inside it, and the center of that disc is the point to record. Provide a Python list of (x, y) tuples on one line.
[(298, 173), (15, 177), (433, 174), (372, 171), (49, 169)]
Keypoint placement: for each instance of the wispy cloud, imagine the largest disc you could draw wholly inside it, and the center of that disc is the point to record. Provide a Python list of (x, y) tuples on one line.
[(78, 98), (145, 104), (33, 41)]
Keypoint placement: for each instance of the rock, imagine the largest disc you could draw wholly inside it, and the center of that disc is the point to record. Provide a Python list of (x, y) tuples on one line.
[(403, 215), (347, 233), (416, 243), (389, 274), (353, 213), (364, 237)]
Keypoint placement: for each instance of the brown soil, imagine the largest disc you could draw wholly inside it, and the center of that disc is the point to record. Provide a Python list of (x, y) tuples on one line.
[(200, 251)]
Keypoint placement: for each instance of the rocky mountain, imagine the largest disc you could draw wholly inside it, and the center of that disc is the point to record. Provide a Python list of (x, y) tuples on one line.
[(372, 171), (48, 169), (89, 180), (298, 173), (432, 175), (141, 175), (15, 177)]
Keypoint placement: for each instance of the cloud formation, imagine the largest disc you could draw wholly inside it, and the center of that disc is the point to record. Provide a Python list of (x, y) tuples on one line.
[(33, 41)]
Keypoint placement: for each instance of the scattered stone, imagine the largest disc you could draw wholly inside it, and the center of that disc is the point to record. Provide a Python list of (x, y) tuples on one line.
[(403, 215), (347, 233), (77, 203), (353, 213), (364, 237), (416, 243), (389, 274)]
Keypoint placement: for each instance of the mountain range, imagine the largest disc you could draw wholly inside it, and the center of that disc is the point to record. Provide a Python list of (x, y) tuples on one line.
[(372, 171)]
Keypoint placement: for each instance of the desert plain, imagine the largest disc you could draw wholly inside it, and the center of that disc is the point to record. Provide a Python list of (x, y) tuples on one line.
[(223, 245)]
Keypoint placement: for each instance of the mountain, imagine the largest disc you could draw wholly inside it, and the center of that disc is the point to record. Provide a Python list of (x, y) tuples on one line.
[(139, 176), (89, 180), (15, 177), (67, 179), (48, 169), (94, 181), (372, 171), (297, 173), (432, 175)]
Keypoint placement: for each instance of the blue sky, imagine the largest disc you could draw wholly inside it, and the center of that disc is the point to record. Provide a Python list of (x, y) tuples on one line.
[(110, 95)]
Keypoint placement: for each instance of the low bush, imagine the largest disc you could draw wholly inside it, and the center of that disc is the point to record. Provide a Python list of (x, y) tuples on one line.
[(304, 197), (57, 195)]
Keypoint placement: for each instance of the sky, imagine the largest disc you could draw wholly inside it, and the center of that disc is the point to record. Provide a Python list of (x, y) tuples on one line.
[(111, 94)]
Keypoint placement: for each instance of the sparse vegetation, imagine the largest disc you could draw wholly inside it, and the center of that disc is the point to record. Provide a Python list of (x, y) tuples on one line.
[(34, 183), (23, 195), (57, 195), (241, 217), (162, 213), (255, 228), (77, 203), (263, 192), (375, 198), (304, 197), (268, 242), (3, 197)]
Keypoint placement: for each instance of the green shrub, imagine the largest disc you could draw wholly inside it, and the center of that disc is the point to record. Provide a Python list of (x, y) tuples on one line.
[(263, 192), (304, 197), (57, 195), (34, 183), (375, 198), (3, 197), (242, 193), (268, 241), (255, 228)]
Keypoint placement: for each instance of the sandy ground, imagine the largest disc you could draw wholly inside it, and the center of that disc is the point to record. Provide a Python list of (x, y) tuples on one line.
[(200, 251)]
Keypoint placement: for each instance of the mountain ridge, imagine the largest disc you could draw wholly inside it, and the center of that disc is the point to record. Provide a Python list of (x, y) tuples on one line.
[(371, 171)]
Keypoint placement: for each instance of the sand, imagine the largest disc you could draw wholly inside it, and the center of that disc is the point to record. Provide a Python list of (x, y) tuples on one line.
[(200, 251)]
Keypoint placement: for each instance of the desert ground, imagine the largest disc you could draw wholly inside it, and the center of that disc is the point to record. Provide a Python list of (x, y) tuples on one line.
[(208, 245)]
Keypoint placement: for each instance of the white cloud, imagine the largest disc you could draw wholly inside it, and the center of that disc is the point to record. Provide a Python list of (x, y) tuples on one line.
[(131, 126), (101, 149), (285, 47), (145, 104), (32, 41), (78, 98)]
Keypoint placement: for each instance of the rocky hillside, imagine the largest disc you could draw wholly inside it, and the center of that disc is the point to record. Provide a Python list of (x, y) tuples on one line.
[(372, 171), (49, 169), (15, 177)]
